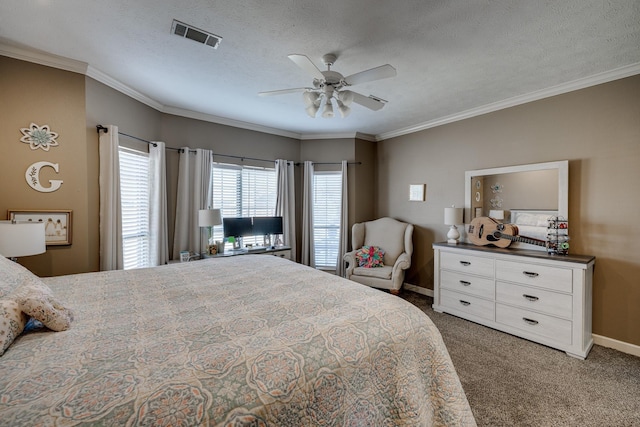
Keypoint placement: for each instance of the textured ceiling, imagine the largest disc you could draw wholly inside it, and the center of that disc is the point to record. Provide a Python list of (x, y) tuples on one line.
[(451, 56)]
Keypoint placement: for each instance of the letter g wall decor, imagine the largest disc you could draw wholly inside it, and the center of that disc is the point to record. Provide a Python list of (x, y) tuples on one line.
[(33, 177), (40, 137)]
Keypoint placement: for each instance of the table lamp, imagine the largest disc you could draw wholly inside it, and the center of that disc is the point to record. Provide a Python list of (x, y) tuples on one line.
[(453, 216), (208, 218), (21, 239)]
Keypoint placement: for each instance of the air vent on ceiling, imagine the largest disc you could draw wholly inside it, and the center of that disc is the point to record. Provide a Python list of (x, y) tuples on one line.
[(183, 30)]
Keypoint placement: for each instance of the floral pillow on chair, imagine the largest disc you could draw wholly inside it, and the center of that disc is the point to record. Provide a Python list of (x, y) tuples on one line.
[(370, 257)]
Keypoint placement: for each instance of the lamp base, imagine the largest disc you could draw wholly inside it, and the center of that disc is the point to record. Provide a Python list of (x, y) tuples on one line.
[(453, 235)]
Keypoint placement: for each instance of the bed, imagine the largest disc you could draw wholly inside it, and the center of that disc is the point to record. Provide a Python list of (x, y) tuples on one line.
[(247, 340)]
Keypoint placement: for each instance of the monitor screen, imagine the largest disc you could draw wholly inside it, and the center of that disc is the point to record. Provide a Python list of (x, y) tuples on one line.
[(263, 225), (237, 227)]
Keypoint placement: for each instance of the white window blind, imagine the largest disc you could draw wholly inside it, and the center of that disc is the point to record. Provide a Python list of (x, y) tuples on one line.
[(134, 189), (242, 191), (327, 196)]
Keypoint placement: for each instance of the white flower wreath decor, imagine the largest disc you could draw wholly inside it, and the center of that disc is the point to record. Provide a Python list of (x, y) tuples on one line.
[(39, 137)]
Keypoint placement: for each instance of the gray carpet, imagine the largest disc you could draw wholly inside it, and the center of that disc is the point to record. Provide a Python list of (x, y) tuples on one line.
[(510, 381)]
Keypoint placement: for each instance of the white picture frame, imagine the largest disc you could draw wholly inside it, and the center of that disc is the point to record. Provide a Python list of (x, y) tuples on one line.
[(417, 192)]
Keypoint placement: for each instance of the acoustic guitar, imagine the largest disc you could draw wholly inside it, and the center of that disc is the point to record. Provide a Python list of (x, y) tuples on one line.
[(488, 231)]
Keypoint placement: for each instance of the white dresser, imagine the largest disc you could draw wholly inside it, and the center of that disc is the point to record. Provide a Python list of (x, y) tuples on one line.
[(540, 297)]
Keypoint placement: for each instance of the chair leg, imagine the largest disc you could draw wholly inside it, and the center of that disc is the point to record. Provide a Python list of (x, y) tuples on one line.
[(395, 291)]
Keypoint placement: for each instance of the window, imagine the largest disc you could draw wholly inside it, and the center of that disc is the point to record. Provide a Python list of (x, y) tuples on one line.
[(242, 191), (134, 189), (327, 196)]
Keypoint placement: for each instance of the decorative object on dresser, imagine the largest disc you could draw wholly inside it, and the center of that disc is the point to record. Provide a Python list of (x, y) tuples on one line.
[(558, 235), (488, 231), (19, 239), (453, 216), (527, 293)]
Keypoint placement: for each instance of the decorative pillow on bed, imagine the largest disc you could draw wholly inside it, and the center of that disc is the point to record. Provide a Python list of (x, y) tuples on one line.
[(37, 301), (12, 323), (370, 256)]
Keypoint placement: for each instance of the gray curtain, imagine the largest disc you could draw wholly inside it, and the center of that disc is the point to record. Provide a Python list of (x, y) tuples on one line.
[(158, 224), (110, 203), (194, 193), (286, 203), (308, 253), (344, 222)]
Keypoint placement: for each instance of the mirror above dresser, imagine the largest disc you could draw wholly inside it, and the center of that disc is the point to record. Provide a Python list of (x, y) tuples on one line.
[(524, 194)]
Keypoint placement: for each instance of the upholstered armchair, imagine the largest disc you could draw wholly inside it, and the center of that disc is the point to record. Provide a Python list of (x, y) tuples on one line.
[(392, 236)]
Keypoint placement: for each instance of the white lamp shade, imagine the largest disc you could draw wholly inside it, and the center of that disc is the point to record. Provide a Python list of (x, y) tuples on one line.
[(453, 216), (22, 238), (327, 113), (209, 217)]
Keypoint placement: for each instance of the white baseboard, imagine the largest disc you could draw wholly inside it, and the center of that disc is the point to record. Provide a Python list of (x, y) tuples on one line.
[(622, 346), (418, 289)]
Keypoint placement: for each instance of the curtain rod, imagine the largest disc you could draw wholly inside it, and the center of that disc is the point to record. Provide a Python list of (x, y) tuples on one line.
[(330, 163), (100, 128)]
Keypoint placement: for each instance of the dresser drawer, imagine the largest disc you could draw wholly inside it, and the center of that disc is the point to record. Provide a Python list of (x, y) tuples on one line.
[(549, 327), (467, 264), (555, 278), (481, 286), (467, 304), (548, 302)]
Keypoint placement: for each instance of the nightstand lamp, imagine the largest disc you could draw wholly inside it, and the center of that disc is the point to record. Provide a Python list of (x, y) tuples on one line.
[(209, 218), (19, 239), (452, 217)]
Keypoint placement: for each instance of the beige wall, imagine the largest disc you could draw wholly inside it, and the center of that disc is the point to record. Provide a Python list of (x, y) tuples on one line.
[(43, 95), (597, 129)]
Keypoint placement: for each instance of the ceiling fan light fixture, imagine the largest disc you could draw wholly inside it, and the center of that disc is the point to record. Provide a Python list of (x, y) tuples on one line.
[(312, 110), (346, 97), (327, 113), (310, 98), (343, 109)]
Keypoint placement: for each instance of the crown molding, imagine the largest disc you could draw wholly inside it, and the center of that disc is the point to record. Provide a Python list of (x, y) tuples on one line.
[(42, 58), (229, 122), (596, 79), (120, 87), (344, 135)]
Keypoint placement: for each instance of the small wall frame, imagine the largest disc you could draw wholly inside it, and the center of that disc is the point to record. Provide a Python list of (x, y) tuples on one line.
[(57, 223), (417, 192)]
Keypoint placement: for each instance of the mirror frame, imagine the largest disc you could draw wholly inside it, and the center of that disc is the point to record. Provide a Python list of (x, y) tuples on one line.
[(561, 166)]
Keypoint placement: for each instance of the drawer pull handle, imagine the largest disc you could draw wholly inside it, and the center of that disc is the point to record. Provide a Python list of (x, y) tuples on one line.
[(530, 297), (530, 321), (465, 303), (465, 283), (465, 263), (530, 274)]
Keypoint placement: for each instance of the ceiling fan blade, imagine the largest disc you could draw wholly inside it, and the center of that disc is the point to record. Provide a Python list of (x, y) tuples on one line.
[(284, 91), (365, 101), (381, 72), (305, 63)]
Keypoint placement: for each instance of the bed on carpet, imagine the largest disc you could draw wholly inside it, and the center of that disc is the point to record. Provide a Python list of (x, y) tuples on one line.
[(247, 340)]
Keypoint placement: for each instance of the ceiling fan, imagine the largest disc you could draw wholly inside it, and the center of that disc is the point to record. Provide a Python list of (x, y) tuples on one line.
[(330, 85)]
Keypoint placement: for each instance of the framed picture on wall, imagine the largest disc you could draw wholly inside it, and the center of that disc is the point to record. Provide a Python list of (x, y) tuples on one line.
[(417, 192), (57, 223)]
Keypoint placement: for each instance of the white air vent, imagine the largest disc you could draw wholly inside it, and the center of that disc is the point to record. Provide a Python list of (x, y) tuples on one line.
[(183, 30)]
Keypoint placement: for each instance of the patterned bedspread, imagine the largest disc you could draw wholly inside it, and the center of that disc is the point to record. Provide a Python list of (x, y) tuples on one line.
[(247, 340)]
